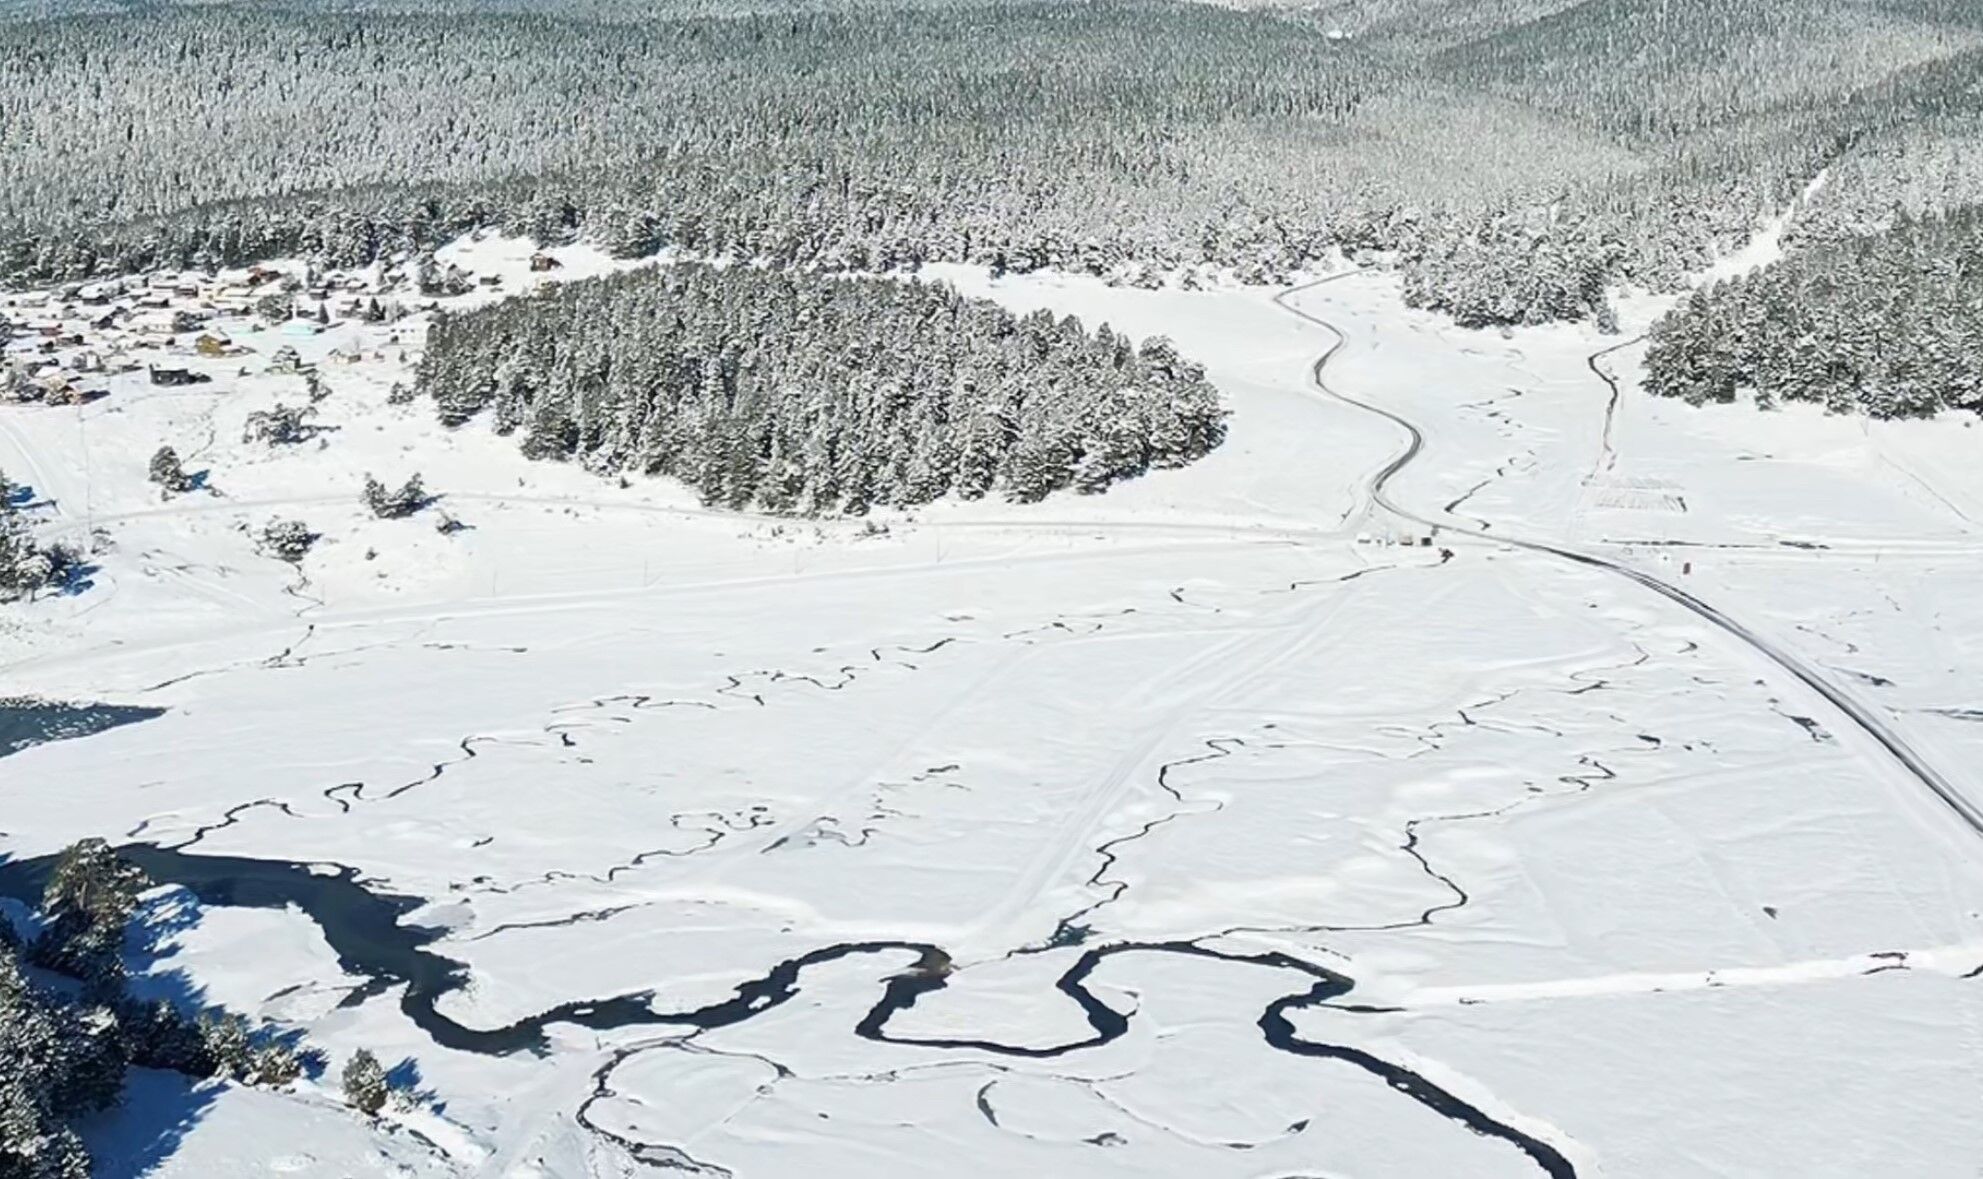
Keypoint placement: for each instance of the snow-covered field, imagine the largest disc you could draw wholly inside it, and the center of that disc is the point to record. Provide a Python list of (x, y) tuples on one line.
[(1616, 893)]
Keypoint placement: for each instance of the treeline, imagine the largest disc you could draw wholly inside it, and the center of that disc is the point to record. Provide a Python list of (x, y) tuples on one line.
[(869, 139), (1514, 159), (1889, 325), (65, 1048), (797, 392)]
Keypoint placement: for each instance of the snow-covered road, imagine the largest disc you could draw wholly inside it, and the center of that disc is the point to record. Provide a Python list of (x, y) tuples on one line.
[(1877, 728)]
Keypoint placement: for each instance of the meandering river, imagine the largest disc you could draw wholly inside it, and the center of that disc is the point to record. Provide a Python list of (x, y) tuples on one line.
[(368, 932)]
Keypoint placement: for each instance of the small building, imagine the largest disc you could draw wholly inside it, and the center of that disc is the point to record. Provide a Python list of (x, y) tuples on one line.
[(215, 345), (157, 326), (172, 377), (540, 263), (50, 387), (69, 393)]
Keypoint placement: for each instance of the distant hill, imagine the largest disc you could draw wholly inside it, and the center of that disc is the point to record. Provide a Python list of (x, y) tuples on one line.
[(1516, 158)]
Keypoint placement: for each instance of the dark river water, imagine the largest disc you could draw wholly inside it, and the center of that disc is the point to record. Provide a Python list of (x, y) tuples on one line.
[(367, 930), (25, 722)]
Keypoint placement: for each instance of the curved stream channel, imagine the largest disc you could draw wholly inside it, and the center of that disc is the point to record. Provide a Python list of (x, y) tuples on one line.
[(366, 930)]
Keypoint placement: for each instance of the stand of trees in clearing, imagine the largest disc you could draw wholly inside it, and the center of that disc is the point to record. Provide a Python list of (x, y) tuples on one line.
[(790, 391), (1514, 157), (1889, 324)]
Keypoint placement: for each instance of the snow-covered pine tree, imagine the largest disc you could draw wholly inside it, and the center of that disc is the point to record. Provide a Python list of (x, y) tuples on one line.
[(166, 471), (364, 1083), (388, 503)]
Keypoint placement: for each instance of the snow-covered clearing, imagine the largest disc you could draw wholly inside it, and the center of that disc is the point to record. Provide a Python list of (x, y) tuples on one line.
[(1606, 880)]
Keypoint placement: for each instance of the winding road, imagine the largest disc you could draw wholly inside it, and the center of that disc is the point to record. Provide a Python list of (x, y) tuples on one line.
[(1865, 718)]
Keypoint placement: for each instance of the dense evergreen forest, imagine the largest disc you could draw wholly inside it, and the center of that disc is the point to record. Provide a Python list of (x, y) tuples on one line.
[(1513, 157), (1889, 324), (797, 392)]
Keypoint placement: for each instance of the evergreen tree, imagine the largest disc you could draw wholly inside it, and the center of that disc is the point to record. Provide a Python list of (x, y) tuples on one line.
[(89, 900), (284, 425), (395, 503), (166, 471), (365, 1083), (286, 540)]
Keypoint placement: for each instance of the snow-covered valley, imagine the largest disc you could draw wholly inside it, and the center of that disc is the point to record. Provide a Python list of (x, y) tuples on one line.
[(1269, 816)]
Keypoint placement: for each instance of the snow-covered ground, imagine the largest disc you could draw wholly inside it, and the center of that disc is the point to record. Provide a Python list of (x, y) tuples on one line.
[(1606, 879)]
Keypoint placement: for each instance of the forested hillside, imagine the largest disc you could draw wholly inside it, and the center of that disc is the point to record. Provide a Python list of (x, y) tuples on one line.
[(1889, 324), (1514, 158), (794, 392)]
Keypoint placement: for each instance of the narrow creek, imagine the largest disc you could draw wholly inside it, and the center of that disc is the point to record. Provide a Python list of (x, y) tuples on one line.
[(367, 931)]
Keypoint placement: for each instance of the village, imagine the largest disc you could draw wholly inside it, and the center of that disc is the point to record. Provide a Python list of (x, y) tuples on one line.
[(66, 346)]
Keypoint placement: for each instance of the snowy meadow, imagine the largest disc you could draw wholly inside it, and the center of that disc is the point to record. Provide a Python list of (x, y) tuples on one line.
[(1236, 820)]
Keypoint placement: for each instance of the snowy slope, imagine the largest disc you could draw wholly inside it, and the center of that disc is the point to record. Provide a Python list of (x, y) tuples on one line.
[(1620, 895)]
